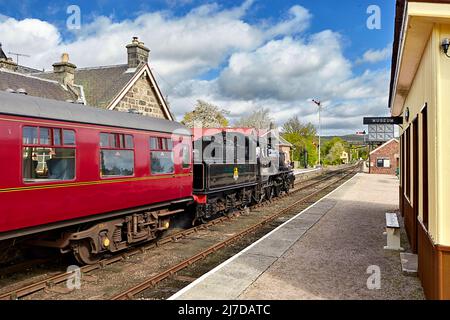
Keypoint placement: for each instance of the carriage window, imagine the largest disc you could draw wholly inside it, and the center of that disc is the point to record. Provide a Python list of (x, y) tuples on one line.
[(45, 136), (42, 161), (116, 155), (161, 155), (41, 164), (104, 139), (30, 135), (129, 144), (69, 137), (162, 162), (57, 137), (154, 144), (117, 163), (168, 144), (185, 157)]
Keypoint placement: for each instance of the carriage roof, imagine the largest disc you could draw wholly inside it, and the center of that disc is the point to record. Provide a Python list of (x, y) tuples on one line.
[(28, 106)]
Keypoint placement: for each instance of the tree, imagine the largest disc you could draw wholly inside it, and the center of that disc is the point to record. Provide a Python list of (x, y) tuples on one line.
[(205, 115), (259, 120), (293, 125), (303, 138), (335, 152), (332, 150)]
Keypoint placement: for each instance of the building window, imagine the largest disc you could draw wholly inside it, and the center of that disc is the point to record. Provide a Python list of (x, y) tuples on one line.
[(383, 163), (116, 155), (45, 156), (161, 155)]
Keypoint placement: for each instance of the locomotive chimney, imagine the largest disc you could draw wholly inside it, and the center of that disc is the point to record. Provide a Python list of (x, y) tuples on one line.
[(65, 70), (137, 53)]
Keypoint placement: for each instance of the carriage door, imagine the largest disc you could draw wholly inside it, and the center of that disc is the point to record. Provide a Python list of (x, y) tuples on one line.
[(186, 166)]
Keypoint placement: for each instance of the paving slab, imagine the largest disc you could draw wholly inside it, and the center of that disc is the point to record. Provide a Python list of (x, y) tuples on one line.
[(409, 262), (332, 250), (231, 281)]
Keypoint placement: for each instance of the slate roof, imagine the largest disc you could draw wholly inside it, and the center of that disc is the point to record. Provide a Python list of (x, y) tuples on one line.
[(100, 84), (34, 86), (95, 86)]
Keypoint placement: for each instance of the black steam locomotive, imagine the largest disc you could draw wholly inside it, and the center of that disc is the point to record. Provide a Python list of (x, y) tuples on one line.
[(237, 168)]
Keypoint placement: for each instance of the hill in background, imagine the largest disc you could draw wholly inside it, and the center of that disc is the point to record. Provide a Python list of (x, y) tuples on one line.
[(350, 138)]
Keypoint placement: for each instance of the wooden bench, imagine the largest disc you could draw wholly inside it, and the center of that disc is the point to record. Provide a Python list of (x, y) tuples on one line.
[(392, 232)]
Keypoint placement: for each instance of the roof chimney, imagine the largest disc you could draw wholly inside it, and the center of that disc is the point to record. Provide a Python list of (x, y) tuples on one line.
[(137, 53), (65, 70)]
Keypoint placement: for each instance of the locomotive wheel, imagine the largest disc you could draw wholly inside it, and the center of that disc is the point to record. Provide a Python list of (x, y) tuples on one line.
[(82, 252)]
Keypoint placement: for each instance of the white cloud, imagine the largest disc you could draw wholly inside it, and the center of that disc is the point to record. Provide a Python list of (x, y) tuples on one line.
[(181, 47), (373, 56), (270, 64), (298, 20), (287, 69), (29, 36), (285, 74)]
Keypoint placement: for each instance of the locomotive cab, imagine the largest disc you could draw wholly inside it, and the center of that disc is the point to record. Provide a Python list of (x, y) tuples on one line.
[(225, 171)]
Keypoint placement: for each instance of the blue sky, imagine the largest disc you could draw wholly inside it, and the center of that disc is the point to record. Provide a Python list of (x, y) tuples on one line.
[(350, 60)]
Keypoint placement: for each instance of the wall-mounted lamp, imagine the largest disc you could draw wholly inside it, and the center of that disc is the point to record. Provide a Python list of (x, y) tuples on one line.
[(445, 46), (407, 114)]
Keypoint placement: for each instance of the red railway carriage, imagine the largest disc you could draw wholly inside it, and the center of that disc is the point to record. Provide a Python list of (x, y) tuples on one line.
[(93, 180)]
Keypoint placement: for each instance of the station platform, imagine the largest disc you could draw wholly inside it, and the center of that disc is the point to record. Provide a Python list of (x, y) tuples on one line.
[(331, 250)]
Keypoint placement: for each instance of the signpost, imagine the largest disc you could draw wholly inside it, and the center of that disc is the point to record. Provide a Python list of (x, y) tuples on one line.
[(383, 120), (381, 129)]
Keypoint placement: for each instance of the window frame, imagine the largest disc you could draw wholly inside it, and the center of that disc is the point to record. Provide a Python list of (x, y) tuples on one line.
[(117, 147), (182, 147), (384, 159), (51, 145), (160, 148)]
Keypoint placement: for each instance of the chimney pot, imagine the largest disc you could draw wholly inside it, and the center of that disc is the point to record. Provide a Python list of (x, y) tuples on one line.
[(65, 57)]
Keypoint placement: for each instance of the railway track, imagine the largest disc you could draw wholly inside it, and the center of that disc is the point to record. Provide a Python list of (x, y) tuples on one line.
[(24, 265), (132, 292), (53, 280)]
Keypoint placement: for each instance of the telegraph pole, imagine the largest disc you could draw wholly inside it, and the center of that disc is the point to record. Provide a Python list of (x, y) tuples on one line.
[(319, 105)]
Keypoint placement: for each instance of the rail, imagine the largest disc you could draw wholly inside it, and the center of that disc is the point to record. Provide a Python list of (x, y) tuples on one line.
[(63, 276)]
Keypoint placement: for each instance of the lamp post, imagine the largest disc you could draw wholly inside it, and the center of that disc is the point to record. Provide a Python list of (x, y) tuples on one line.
[(319, 105)]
